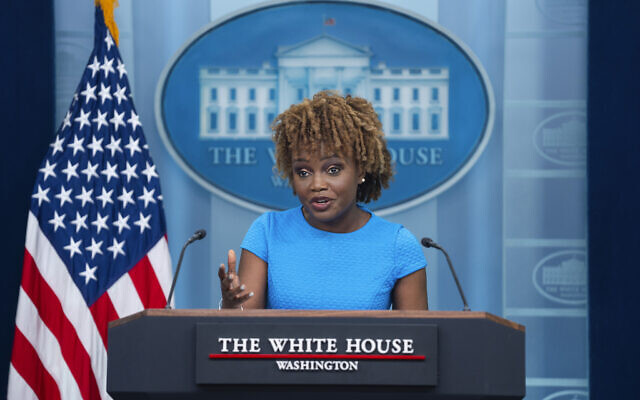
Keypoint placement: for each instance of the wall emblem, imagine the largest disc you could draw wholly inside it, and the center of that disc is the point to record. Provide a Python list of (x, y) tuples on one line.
[(219, 94), (568, 395), (562, 138), (562, 277)]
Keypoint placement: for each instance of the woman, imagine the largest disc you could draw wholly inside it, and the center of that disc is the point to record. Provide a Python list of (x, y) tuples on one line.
[(330, 252)]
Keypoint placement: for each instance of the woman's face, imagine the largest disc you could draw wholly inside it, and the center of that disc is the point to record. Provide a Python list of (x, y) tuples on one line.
[(327, 184)]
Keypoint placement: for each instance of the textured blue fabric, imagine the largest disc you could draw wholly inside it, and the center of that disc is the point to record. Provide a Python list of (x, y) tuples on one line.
[(313, 269)]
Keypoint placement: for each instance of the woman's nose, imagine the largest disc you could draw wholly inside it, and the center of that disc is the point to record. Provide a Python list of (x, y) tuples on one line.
[(318, 182)]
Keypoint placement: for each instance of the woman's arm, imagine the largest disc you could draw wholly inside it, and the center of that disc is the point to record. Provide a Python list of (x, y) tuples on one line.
[(410, 292), (253, 273), (248, 287)]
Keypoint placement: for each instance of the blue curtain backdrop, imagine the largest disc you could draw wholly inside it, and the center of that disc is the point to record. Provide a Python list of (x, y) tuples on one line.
[(614, 215), (519, 211), (27, 115)]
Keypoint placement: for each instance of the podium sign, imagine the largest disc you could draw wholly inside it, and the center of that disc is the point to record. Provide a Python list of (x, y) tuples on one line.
[(315, 355), (321, 354)]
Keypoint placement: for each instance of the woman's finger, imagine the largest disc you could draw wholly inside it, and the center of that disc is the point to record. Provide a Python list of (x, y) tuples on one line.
[(231, 262), (243, 297), (222, 272), (233, 292)]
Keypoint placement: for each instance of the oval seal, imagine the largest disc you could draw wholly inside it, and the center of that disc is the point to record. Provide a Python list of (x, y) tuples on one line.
[(562, 277), (562, 138), (568, 395), (218, 95)]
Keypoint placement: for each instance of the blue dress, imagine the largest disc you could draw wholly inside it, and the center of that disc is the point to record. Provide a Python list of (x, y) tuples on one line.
[(313, 269)]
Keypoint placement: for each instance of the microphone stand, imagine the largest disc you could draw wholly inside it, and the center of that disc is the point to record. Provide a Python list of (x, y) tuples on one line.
[(427, 242), (196, 236)]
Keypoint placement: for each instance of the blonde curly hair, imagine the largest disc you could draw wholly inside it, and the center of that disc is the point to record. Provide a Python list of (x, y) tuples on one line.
[(348, 126)]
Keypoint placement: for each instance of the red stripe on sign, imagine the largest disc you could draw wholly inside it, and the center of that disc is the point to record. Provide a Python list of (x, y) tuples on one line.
[(103, 312), (26, 362), (51, 313), (318, 356), (146, 282)]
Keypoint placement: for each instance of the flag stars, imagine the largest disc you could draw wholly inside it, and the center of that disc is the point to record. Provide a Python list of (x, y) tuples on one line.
[(110, 171), (57, 144), (105, 93), (57, 221), (147, 196), (114, 145), (73, 247), (107, 67), (85, 196), (89, 274), (130, 171), (105, 197), (121, 223), (66, 122), (63, 196), (89, 93), (96, 144), (109, 41), (119, 93), (101, 120), (117, 120), (76, 145), (79, 222), (149, 171), (83, 119), (143, 222), (47, 170), (126, 198), (41, 195), (121, 69), (116, 248), (94, 248), (90, 171), (70, 171), (94, 66), (100, 223), (134, 120), (133, 146)]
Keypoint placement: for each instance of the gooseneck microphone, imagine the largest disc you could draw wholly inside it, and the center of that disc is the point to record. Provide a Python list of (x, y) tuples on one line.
[(428, 243), (199, 234)]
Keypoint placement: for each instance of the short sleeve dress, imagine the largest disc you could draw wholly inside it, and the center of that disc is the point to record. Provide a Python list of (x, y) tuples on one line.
[(313, 269)]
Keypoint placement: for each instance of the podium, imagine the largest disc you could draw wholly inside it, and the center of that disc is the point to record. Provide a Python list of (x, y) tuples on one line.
[(276, 354)]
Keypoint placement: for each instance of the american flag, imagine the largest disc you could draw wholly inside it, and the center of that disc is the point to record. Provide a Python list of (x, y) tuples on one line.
[(96, 247)]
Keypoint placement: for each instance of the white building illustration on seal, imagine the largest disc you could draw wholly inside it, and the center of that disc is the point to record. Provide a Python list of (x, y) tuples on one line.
[(241, 103)]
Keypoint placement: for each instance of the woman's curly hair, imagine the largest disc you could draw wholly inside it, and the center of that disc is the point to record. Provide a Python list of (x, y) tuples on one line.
[(345, 125)]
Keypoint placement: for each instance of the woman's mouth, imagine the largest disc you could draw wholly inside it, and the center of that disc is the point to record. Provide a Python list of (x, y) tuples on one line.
[(320, 203)]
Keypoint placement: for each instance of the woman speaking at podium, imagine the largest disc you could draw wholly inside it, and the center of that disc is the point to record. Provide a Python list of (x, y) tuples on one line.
[(330, 252)]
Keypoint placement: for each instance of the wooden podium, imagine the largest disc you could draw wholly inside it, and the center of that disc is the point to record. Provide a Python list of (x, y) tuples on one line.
[(198, 354)]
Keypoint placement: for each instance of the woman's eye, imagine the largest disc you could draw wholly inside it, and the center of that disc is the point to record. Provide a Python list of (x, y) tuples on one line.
[(302, 173), (334, 170)]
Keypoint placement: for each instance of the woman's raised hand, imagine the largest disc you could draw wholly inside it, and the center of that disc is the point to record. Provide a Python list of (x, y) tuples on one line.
[(233, 291)]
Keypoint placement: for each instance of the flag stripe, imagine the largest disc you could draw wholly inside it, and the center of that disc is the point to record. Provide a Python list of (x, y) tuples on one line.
[(161, 262), (144, 279), (27, 364), (46, 349), (124, 296), (19, 389), (103, 312), (50, 311), (55, 273)]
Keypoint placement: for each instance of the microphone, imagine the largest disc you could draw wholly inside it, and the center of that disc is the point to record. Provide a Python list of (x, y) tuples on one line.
[(428, 243), (199, 234)]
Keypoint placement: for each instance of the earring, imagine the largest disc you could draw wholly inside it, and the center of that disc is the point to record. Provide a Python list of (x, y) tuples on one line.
[(362, 181)]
